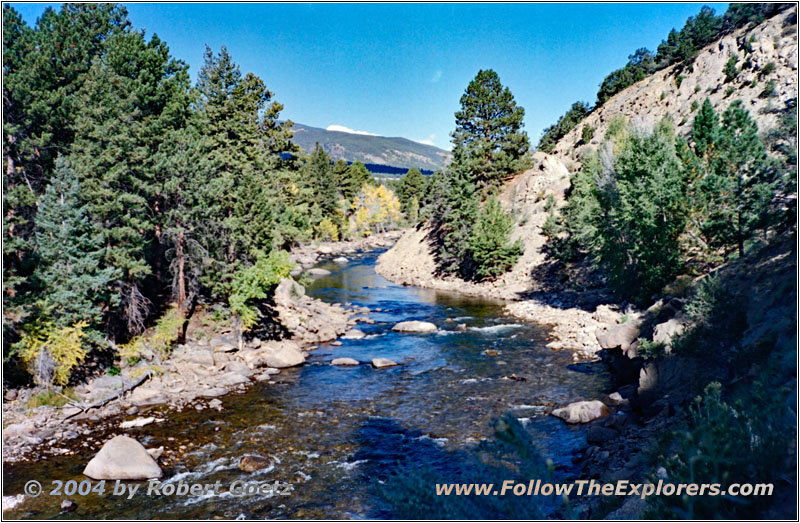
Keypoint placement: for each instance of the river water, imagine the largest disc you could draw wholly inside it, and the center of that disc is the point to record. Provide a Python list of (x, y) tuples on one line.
[(336, 433)]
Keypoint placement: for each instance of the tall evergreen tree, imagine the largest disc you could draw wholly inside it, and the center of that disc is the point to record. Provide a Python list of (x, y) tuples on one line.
[(73, 285), (318, 171), (738, 189), (456, 222), (488, 137), (132, 99)]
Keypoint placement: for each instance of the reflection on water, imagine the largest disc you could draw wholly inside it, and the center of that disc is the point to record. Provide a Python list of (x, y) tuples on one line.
[(311, 424)]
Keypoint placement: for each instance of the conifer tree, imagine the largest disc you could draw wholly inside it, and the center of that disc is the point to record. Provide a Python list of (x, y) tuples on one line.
[(74, 286), (738, 189), (489, 243), (318, 171), (411, 191), (488, 137)]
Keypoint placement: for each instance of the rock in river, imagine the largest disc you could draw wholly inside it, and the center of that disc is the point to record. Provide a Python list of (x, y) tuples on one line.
[(344, 361), (414, 326), (252, 463), (319, 272), (122, 458), (380, 363), (354, 334), (582, 411)]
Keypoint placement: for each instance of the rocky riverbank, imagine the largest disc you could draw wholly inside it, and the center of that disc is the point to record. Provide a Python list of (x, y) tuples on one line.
[(213, 361)]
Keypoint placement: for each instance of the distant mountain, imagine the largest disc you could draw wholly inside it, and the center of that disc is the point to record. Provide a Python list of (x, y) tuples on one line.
[(381, 150)]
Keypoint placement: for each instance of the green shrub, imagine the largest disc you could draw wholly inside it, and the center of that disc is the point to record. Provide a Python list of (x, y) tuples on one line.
[(587, 133), (769, 89), (730, 69), (769, 68), (51, 398), (724, 443), (694, 106), (729, 91), (255, 282), (678, 81)]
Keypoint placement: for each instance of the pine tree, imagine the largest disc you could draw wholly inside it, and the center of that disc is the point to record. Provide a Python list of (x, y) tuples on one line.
[(74, 286), (240, 120), (318, 171), (411, 191), (738, 190), (456, 222), (357, 176), (489, 243), (488, 137), (132, 99), (488, 129), (705, 130)]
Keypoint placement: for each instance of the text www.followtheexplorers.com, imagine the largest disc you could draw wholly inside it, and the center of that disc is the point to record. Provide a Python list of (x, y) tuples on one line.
[(537, 487)]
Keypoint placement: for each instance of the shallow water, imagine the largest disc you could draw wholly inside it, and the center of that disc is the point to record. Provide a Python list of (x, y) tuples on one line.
[(328, 430)]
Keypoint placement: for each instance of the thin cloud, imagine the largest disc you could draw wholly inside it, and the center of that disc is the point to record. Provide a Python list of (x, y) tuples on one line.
[(436, 76), (343, 129), (428, 141)]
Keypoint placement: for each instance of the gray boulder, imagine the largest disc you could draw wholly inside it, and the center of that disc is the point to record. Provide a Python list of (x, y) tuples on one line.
[(122, 458), (144, 397), (344, 361), (289, 355), (318, 272), (380, 363), (353, 334), (665, 332), (415, 326), (619, 336)]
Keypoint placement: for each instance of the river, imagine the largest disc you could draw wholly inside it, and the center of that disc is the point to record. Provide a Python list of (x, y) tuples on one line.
[(336, 433)]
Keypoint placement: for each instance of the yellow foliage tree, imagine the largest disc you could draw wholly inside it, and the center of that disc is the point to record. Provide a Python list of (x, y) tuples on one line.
[(375, 209), (51, 353)]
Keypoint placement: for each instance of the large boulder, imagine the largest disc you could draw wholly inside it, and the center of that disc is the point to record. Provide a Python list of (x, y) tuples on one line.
[(415, 326), (619, 336), (582, 411), (289, 355), (666, 332), (122, 458)]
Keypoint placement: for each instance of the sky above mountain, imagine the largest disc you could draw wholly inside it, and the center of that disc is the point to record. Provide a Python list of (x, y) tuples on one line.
[(400, 69)]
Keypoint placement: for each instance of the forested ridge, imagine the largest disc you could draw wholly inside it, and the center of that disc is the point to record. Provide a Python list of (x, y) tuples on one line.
[(130, 192)]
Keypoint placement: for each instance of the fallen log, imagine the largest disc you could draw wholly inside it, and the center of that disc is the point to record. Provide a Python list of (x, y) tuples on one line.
[(84, 408)]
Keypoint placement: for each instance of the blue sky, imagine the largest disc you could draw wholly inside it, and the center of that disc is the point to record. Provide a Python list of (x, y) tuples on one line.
[(400, 69)]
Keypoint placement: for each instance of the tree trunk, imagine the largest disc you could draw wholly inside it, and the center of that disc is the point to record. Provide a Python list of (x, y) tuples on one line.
[(181, 258)]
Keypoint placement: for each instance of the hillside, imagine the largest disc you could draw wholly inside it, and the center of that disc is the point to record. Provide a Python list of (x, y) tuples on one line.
[(381, 150), (644, 103)]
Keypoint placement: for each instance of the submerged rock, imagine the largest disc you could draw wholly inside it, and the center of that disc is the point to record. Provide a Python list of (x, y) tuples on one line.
[(415, 326), (122, 458), (582, 411), (252, 463)]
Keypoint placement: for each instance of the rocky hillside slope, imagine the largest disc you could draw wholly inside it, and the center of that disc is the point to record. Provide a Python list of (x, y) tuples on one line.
[(674, 90), (528, 195), (369, 149)]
